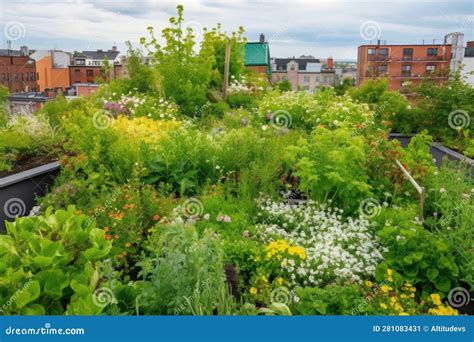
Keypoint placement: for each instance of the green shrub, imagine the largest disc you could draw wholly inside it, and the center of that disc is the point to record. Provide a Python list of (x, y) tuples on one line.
[(184, 273), (49, 264)]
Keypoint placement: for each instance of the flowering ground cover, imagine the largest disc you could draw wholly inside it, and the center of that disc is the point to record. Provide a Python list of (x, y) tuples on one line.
[(172, 201)]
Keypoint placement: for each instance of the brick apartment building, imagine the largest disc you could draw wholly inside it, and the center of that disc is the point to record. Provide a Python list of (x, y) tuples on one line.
[(402, 63), (87, 66), (18, 70)]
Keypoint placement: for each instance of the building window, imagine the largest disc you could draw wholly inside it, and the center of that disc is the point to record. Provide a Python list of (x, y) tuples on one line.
[(80, 62), (318, 79), (383, 68), (407, 51), (406, 70), (90, 72), (326, 79), (430, 68), (292, 67), (383, 52), (306, 87), (306, 79), (77, 71), (371, 51), (432, 52)]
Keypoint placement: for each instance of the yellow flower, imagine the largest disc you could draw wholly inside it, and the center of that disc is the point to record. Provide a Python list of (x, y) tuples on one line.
[(280, 280), (385, 288), (436, 299), (389, 271), (403, 314), (368, 283), (253, 291), (390, 279), (403, 296), (398, 307), (383, 306)]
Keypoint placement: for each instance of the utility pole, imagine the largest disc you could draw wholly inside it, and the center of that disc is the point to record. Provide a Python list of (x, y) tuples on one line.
[(226, 70)]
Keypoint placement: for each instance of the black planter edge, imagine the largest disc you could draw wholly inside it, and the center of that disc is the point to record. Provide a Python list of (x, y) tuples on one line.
[(21, 176), (453, 154), (446, 150)]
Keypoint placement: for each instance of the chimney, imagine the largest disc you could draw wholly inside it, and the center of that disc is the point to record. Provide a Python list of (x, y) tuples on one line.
[(114, 48), (470, 44), (262, 38), (330, 63), (24, 50)]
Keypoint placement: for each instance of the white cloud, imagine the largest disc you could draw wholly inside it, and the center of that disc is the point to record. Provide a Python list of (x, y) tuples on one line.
[(317, 27)]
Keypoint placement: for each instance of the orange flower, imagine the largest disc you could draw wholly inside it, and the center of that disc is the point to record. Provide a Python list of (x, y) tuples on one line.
[(108, 237), (106, 229), (156, 217)]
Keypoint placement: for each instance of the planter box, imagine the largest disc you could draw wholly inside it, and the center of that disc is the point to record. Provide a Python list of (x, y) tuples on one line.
[(18, 192), (437, 150)]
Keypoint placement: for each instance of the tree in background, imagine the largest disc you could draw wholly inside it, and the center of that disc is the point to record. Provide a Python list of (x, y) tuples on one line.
[(4, 93), (448, 108)]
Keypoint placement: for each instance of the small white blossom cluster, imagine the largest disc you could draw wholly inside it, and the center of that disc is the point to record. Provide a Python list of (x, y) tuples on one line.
[(336, 249), (135, 105), (241, 86)]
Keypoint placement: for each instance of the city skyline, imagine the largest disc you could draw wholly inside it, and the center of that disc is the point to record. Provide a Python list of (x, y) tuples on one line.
[(319, 28)]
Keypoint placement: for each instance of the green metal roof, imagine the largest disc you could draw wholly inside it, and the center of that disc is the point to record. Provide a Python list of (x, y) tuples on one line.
[(258, 54)]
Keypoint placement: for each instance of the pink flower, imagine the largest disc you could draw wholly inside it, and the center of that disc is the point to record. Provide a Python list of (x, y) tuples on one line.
[(245, 233)]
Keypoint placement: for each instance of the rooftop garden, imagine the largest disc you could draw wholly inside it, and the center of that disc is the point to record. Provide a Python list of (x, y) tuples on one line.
[(172, 200)]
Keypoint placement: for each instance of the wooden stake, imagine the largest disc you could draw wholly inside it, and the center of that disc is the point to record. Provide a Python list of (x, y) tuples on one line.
[(226, 70), (418, 188)]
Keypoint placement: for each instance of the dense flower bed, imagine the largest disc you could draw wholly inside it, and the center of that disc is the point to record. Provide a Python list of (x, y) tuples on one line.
[(172, 201)]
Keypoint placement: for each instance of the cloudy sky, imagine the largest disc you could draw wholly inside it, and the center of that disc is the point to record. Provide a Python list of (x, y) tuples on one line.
[(320, 28)]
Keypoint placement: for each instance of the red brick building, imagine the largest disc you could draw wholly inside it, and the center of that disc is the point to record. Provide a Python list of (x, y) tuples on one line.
[(88, 66), (402, 63), (18, 71)]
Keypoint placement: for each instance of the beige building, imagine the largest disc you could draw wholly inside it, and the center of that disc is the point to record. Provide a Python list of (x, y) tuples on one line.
[(305, 72)]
